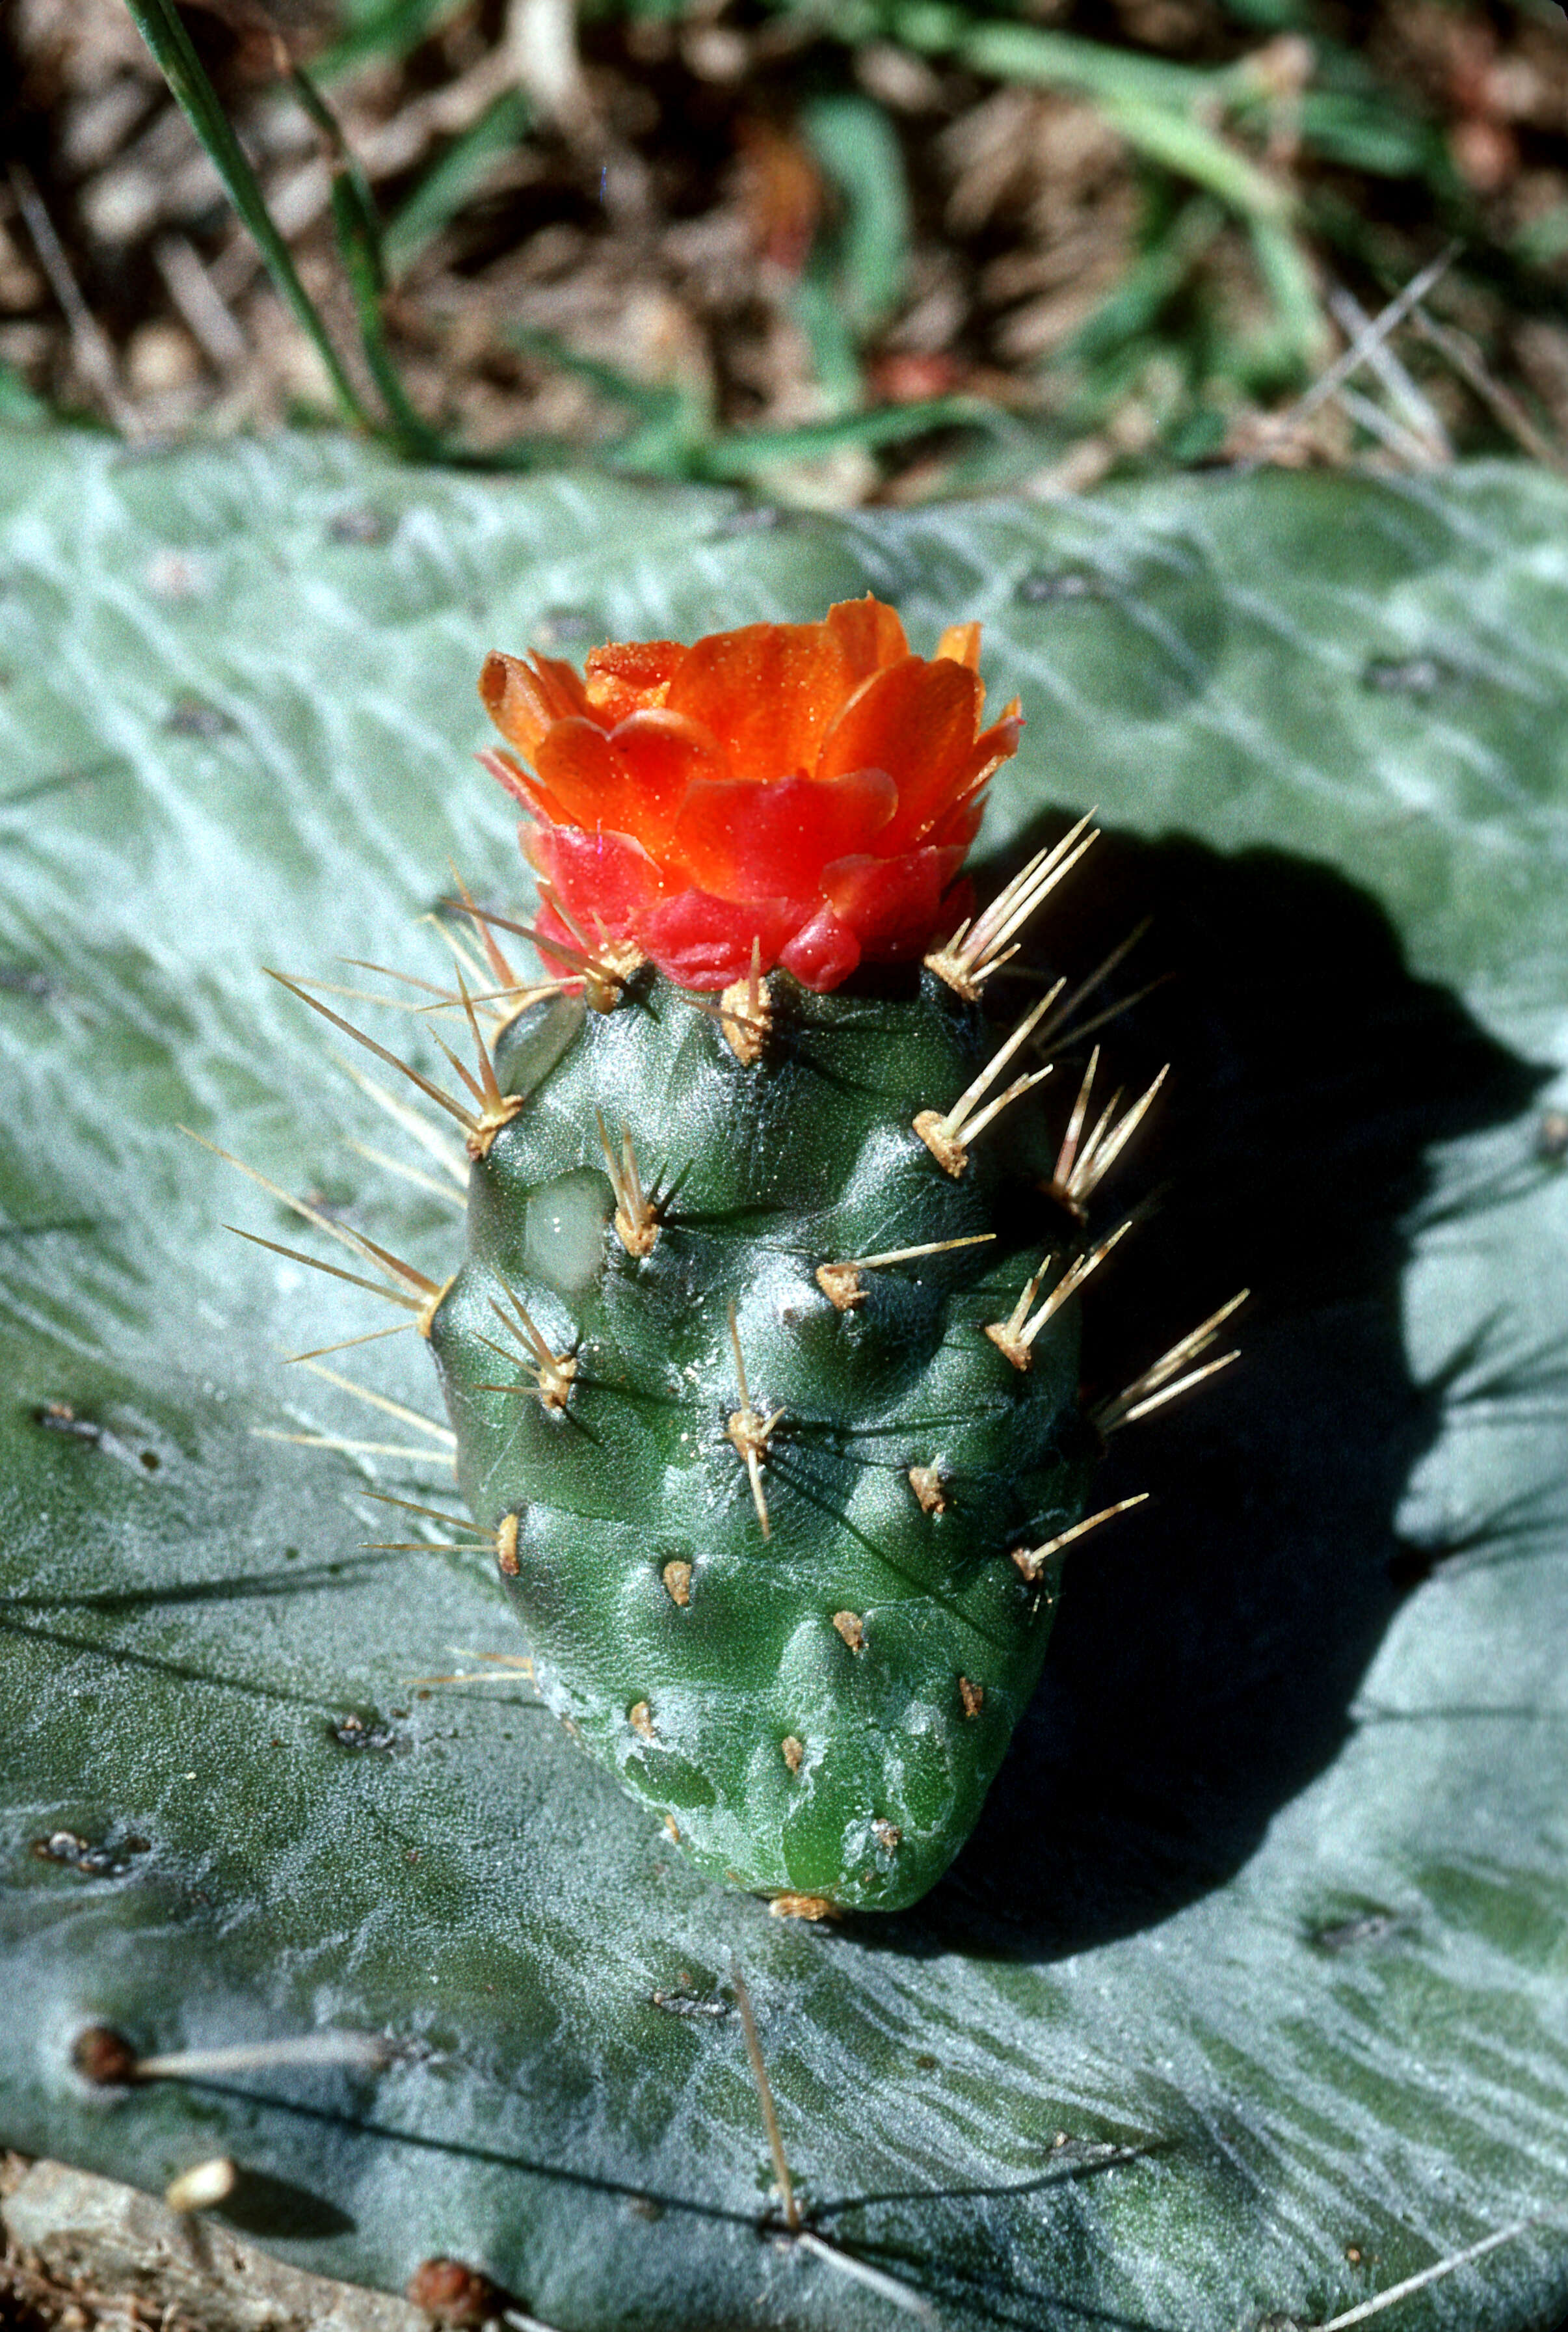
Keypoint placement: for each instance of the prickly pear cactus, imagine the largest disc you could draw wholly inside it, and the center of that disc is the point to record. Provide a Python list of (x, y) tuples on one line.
[(1244, 1999), (779, 1456), (756, 1510)]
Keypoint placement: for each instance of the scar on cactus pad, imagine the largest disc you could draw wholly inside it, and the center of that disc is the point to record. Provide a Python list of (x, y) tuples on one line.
[(762, 1362)]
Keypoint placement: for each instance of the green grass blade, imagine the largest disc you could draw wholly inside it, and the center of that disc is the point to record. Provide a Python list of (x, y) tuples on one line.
[(456, 178), (744, 452), (360, 251), (1185, 145), (650, 399), (384, 35), (159, 22), (1045, 60), (857, 149), (818, 308)]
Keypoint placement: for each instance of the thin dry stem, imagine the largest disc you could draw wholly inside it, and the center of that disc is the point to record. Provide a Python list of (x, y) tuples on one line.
[(765, 2097)]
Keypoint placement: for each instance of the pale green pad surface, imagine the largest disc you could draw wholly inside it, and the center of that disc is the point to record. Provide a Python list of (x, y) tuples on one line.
[(1274, 1883)]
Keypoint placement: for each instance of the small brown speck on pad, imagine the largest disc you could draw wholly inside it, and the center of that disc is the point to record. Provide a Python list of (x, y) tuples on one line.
[(454, 2294), (925, 1481), (677, 1579), (888, 1836), (972, 1696), (852, 1627), (803, 1906), (672, 1826), (640, 1717), (103, 2056), (793, 1753), (506, 1545)]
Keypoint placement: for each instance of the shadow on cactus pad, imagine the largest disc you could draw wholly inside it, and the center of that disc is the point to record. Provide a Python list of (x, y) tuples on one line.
[(1313, 1076), (1246, 2003)]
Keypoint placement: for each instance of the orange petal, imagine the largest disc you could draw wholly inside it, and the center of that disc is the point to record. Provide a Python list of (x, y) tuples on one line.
[(746, 841), (917, 721), (521, 786), (767, 693), (514, 702), (628, 676), (577, 766), (663, 754), (869, 634), (560, 686), (961, 644)]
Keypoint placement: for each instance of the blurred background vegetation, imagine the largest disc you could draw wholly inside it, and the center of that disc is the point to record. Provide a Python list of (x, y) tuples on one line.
[(838, 250)]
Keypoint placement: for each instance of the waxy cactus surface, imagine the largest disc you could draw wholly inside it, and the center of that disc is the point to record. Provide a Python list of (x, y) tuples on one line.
[(782, 1444), (1264, 1913)]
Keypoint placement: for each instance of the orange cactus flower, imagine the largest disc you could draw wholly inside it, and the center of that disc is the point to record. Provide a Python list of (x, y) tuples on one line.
[(807, 790)]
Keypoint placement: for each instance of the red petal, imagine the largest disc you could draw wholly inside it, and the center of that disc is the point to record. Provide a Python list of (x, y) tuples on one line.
[(703, 941), (628, 676), (893, 904), (749, 841), (917, 721), (767, 691), (823, 953), (960, 824), (605, 882)]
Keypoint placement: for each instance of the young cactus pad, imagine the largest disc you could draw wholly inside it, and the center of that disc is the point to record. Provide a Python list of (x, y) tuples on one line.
[(763, 1361)]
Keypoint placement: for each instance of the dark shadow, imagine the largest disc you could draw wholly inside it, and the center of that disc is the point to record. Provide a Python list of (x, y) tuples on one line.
[(272, 2208), (1208, 1648)]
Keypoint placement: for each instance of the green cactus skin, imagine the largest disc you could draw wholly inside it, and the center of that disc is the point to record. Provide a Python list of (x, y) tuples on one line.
[(817, 1701)]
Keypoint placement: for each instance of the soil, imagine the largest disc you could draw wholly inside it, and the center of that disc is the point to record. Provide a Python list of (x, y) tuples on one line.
[(667, 213)]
